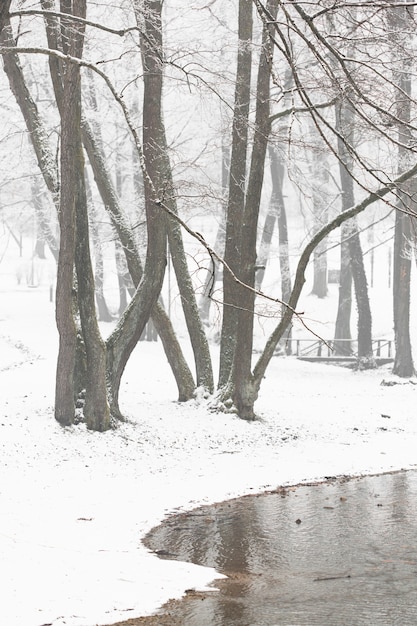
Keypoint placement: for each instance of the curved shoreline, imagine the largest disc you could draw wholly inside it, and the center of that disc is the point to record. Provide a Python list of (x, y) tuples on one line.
[(172, 612)]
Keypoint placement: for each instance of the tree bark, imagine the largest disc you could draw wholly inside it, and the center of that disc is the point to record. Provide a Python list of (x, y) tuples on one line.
[(400, 17), (321, 215), (96, 408), (4, 14), (158, 159), (70, 122), (180, 369), (403, 362), (237, 186), (213, 274), (45, 234), (134, 319), (345, 127), (342, 334), (242, 384), (202, 359), (104, 314)]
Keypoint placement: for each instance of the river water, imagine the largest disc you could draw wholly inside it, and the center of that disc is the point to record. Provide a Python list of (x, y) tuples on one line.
[(340, 553)]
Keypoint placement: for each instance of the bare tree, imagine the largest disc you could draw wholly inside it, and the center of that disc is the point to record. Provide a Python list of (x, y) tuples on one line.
[(237, 184), (399, 19), (345, 127), (70, 120), (241, 379)]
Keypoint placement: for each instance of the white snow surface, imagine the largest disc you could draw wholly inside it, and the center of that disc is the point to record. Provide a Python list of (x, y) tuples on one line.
[(75, 504)]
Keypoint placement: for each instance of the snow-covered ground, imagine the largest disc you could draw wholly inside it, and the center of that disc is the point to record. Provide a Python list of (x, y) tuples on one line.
[(74, 504)]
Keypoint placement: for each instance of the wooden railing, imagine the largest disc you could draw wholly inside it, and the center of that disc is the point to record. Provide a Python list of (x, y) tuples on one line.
[(340, 348)]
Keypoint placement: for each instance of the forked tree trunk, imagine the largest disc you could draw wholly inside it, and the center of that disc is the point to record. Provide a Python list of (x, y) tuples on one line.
[(69, 38), (133, 321), (180, 369), (164, 188), (102, 176), (244, 392)]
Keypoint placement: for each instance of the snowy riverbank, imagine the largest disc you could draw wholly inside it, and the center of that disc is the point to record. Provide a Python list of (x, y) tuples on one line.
[(75, 504)]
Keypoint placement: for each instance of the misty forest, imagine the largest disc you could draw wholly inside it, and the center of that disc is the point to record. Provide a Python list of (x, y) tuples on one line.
[(185, 166)]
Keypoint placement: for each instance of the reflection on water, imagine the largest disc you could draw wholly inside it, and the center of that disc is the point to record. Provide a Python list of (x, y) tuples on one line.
[(337, 554)]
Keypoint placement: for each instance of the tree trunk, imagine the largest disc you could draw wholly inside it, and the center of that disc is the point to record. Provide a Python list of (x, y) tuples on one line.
[(320, 272), (243, 389), (70, 36), (213, 274), (277, 211), (4, 14), (164, 187), (366, 358), (204, 371), (321, 215), (104, 314), (43, 220), (70, 122), (237, 186), (96, 409), (403, 363), (180, 369), (345, 127), (342, 335), (130, 328), (277, 177)]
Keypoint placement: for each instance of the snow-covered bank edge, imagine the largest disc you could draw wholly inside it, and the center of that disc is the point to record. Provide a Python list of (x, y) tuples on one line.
[(74, 505)]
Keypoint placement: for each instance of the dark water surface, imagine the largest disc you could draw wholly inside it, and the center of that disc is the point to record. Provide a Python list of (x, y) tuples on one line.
[(341, 553)]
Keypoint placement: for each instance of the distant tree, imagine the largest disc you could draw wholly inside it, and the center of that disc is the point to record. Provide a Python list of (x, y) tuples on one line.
[(104, 314), (399, 19), (345, 126), (276, 214), (320, 169)]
